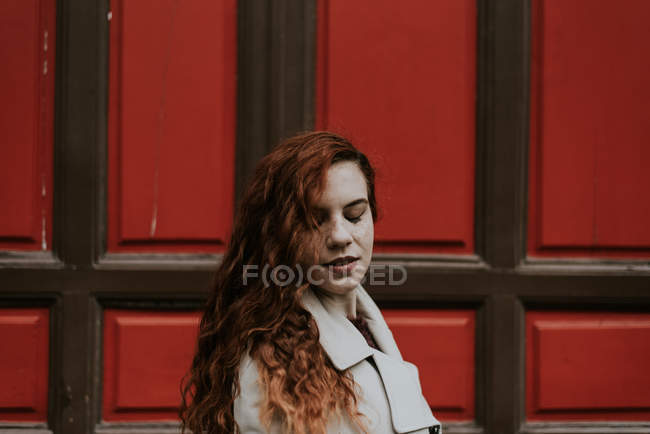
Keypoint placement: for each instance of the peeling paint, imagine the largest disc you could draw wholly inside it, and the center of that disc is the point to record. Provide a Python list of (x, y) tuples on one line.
[(162, 114), (154, 220), (43, 216), (43, 232), (45, 67), (109, 15), (45, 41)]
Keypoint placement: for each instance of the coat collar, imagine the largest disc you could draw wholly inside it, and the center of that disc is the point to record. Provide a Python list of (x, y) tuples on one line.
[(346, 346), (340, 339)]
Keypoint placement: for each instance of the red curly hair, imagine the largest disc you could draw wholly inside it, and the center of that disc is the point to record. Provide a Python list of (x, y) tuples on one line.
[(275, 225)]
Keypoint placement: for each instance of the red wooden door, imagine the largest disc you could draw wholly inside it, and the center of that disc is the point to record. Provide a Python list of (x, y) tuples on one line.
[(510, 146)]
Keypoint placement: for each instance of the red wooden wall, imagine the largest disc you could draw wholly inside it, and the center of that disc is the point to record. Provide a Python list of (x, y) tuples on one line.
[(587, 366), (146, 353), (24, 364), (441, 344), (27, 38), (590, 129), (171, 125), (400, 81), (588, 197)]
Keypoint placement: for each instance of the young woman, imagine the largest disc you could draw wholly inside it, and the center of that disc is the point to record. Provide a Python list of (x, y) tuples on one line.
[(290, 341)]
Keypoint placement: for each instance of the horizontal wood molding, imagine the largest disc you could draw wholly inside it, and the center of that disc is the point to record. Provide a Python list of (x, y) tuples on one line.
[(24, 428), (423, 283), (585, 428), (137, 428)]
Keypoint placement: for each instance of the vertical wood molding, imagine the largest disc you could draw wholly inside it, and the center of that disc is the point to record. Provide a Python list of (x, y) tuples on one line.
[(81, 55), (275, 88), (503, 125), (80, 126), (75, 374), (504, 380)]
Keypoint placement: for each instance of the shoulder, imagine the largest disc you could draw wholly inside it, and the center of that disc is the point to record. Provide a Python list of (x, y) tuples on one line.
[(246, 409), (248, 375)]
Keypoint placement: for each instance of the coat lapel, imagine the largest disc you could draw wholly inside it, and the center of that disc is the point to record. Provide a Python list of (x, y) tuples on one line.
[(340, 339), (376, 323), (409, 410), (346, 346)]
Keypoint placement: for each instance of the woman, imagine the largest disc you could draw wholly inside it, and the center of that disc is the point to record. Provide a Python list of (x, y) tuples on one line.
[(290, 341)]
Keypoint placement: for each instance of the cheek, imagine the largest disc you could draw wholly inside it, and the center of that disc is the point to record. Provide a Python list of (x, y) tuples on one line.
[(366, 237)]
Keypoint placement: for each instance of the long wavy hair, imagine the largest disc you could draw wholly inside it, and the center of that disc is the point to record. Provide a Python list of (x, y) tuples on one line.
[(275, 225)]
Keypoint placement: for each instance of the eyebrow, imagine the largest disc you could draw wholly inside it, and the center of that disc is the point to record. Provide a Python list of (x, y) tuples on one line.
[(356, 202)]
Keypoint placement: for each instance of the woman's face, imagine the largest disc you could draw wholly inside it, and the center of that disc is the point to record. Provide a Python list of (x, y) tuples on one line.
[(346, 230)]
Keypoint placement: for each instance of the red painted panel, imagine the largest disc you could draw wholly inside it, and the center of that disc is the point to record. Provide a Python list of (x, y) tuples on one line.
[(441, 344), (590, 126), (587, 366), (27, 37), (24, 368), (171, 125), (145, 356), (400, 82)]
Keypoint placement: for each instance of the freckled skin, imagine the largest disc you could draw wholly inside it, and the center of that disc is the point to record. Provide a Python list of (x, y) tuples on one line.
[(346, 230)]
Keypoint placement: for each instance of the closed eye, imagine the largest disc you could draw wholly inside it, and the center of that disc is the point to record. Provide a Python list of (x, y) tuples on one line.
[(357, 218)]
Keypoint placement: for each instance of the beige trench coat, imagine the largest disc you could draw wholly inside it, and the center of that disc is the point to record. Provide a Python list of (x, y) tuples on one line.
[(391, 398)]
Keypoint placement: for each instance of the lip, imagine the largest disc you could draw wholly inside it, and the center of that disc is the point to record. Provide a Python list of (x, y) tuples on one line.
[(341, 258), (344, 268)]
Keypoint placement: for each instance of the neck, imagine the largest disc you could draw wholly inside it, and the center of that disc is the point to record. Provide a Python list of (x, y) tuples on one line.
[(341, 304)]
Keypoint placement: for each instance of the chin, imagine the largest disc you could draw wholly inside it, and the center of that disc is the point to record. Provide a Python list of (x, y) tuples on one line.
[(344, 286)]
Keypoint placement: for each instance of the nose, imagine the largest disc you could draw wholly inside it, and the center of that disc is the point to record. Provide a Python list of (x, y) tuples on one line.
[(339, 235)]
